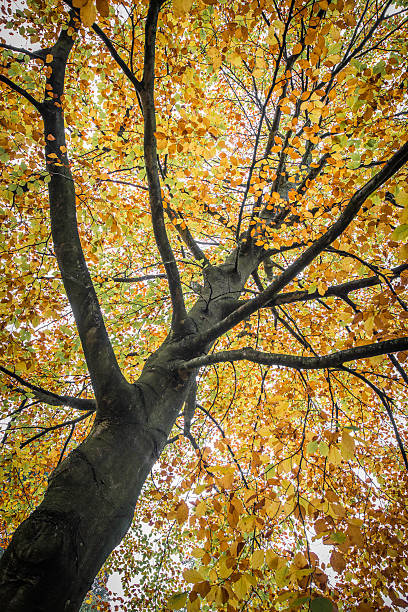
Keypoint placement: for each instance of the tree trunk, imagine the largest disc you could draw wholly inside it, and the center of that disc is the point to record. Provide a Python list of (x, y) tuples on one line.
[(89, 504), (88, 507)]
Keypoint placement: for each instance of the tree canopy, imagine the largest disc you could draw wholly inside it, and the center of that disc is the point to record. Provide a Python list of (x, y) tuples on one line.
[(204, 210)]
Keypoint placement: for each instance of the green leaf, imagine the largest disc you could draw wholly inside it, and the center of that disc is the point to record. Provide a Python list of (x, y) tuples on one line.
[(282, 576), (321, 604), (323, 449), (338, 537), (400, 232), (177, 601), (312, 447)]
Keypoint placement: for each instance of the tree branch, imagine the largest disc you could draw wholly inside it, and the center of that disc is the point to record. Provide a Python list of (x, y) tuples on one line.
[(345, 218), (136, 279), (120, 62), (37, 105), (341, 290), (40, 54), (111, 48), (152, 171), (46, 430), (399, 368), (101, 361), (385, 402), (332, 360), (51, 398), (186, 235)]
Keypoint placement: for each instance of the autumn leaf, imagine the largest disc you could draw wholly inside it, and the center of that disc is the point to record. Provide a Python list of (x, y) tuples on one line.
[(182, 512), (102, 7), (191, 575), (321, 604), (88, 13), (177, 601), (257, 559), (347, 446), (337, 562), (181, 7)]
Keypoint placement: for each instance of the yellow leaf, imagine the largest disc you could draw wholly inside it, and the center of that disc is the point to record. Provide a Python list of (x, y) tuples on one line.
[(400, 232), (347, 446), (300, 561), (181, 7), (235, 59), (334, 456), (48, 58), (193, 606), (257, 559), (272, 559), (88, 14), (246, 524), (402, 198), (177, 601), (403, 253), (193, 576), (241, 587), (200, 508), (281, 576), (198, 553), (221, 596), (182, 512)]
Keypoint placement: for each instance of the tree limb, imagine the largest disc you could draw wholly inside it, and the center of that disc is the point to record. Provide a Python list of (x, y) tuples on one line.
[(335, 230), (386, 403), (120, 62), (46, 430), (40, 54), (111, 48), (399, 368), (332, 360), (22, 92), (341, 290), (51, 398), (152, 170), (101, 361)]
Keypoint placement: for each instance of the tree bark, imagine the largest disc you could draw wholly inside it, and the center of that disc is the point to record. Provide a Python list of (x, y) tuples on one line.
[(89, 504)]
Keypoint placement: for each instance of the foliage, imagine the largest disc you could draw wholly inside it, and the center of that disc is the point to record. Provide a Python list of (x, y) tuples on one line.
[(285, 487)]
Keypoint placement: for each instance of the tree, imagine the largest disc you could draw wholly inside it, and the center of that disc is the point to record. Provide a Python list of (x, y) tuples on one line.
[(227, 194)]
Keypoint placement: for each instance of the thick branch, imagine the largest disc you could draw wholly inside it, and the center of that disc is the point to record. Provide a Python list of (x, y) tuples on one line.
[(120, 62), (53, 399), (41, 54), (99, 355), (399, 368), (341, 290), (22, 92), (186, 236), (333, 360), (137, 279), (345, 218), (152, 170)]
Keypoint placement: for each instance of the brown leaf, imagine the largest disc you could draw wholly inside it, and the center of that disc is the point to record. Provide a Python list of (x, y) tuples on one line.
[(337, 561), (88, 14), (102, 6)]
